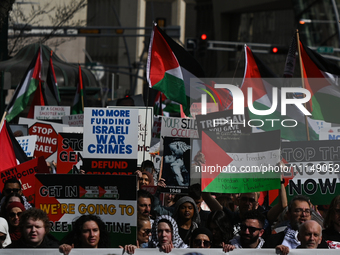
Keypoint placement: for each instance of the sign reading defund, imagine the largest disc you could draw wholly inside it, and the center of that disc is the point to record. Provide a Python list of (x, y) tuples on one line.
[(110, 140)]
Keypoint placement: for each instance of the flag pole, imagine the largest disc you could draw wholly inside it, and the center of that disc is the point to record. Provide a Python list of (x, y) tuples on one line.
[(302, 79)]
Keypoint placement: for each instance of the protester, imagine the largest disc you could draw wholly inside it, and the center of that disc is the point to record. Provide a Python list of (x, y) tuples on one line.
[(299, 211), (310, 235), (220, 227), (13, 185), (34, 226), (12, 197), (144, 201), (187, 217), (250, 234), (14, 210), (196, 194), (146, 179), (165, 234), (148, 166), (5, 238), (331, 233), (201, 238), (89, 231)]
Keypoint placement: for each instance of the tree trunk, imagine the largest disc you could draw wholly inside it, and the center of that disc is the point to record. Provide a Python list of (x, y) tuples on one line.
[(5, 7)]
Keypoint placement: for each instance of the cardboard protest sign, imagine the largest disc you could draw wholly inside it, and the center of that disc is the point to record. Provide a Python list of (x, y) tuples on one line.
[(51, 112), (47, 132), (25, 174), (177, 127), (27, 144), (75, 120), (110, 136), (218, 123), (314, 170), (70, 149), (240, 163), (176, 163), (112, 198)]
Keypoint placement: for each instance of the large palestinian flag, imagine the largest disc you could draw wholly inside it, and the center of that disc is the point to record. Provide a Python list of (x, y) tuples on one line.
[(170, 68), (238, 162), (261, 79), (321, 79), (26, 88)]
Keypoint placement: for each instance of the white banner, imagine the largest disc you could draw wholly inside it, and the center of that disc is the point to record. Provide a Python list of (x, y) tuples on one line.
[(173, 252)]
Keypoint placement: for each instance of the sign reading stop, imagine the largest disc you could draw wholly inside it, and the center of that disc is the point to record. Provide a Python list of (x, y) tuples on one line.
[(46, 143)]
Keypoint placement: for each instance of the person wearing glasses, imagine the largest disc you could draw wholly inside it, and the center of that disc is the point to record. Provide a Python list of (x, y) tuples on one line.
[(35, 227), (4, 233), (13, 186), (251, 231), (299, 211), (201, 238), (14, 210), (331, 233)]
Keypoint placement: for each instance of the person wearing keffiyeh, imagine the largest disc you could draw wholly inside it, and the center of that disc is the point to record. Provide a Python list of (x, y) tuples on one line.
[(165, 234)]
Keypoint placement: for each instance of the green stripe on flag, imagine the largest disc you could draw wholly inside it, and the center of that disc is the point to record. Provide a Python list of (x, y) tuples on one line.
[(330, 107)]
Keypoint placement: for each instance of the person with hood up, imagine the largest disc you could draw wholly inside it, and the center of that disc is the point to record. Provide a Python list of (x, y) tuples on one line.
[(187, 217)]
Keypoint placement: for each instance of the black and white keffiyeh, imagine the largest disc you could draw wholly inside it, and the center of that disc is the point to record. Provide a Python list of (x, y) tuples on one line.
[(176, 239), (290, 240)]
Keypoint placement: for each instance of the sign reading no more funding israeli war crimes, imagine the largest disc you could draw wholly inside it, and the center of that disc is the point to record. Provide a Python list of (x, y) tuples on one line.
[(110, 140)]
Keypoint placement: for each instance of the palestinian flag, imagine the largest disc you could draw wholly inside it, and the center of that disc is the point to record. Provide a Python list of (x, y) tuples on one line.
[(170, 68), (11, 153), (321, 79), (38, 99), (51, 81), (239, 162), (78, 103), (26, 88), (256, 77)]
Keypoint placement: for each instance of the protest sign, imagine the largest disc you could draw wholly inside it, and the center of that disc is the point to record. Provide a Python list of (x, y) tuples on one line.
[(19, 130), (27, 144), (51, 112), (177, 127), (47, 132), (112, 198), (222, 122), (178, 251), (75, 120), (176, 162), (25, 174), (196, 108), (70, 148), (315, 170), (110, 136), (145, 122), (330, 133), (239, 163)]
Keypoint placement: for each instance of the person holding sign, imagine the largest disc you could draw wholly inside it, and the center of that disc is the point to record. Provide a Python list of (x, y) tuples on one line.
[(165, 234), (34, 226), (201, 238), (88, 231)]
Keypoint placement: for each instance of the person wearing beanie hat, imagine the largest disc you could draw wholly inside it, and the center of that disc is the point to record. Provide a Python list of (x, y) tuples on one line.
[(201, 238), (187, 217), (14, 210)]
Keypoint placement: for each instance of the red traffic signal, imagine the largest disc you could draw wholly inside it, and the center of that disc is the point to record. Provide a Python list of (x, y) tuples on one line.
[(274, 50), (278, 50), (203, 37)]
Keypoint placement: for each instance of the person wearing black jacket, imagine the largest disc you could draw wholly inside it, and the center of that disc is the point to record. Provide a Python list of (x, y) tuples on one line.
[(35, 227)]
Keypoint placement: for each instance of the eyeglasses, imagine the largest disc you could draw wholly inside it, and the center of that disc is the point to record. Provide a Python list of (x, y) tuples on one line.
[(206, 243), (13, 214), (300, 211), (147, 231), (12, 190), (246, 199), (2, 238), (251, 229)]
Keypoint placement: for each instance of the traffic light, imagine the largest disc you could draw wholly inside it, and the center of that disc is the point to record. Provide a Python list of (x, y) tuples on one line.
[(278, 50), (202, 44)]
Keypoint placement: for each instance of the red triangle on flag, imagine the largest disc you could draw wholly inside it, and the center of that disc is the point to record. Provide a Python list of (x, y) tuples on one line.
[(82, 191), (101, 191), (214, 156)]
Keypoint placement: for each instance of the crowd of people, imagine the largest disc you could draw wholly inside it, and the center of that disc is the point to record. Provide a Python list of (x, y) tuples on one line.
[(168, 221)]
